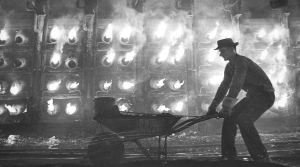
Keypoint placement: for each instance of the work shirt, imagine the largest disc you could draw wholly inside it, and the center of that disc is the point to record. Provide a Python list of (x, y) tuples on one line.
[(243, 74)]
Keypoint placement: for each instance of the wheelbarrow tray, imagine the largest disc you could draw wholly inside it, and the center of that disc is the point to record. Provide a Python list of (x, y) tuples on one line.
[(139, 126)]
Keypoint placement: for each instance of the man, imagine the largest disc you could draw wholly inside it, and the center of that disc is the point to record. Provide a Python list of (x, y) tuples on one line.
[(241, 73)]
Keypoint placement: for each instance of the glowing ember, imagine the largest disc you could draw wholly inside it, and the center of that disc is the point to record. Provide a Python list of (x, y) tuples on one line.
[(109, 31), (161, 30), (264, 54), (179, 53), (14, 109), (3, 35), (127, 85), (179, 106), (213, 33), (53, 85), (261, 33), (107, 85), (214, 80), (130, 55), (178, 84), (126, 32), (124, 107), (16, 87), (51, 108), (163, 55), (73, 33), (110, 55), (70, 109), (56, 58), (162, 108), (56, 33), (160, 83)]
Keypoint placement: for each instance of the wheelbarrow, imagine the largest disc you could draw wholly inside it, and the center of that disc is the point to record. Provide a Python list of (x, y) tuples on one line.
[(107, 149)]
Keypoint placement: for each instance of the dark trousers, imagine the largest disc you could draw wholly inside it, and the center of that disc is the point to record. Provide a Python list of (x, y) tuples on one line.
[(244, 114)]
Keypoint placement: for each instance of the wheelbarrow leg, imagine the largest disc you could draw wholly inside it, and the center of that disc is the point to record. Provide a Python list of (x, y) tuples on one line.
[(143, 149)]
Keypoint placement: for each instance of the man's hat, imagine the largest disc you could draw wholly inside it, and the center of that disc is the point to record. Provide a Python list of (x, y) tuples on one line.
[(226, 42)]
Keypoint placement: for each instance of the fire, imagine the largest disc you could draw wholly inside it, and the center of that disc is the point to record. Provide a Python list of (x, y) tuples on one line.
[(127, 85), (179, 53), (161, 30), (16, 87), (280, 54), (281, 75), (126, 32), (282, 101), (179, 106), (53, 85), (71, 109), (275, 34), (160, 83), (56, 58), (226, 34), (178, 84), (261, 33), (14, 109), (107, 85), (157, 83), (73, 85), (73, 34), (108, 32), (161, 108), (211, 55), (130, 55), (163, 55), (3, 35), (110, 56), (214, 80), (176, 35), (124, 107), (56, 33), (264, 54), (213, 33), (51, 107)]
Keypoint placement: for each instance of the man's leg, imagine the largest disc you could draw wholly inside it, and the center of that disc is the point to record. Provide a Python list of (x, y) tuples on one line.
[(229, 131), (246, 119)]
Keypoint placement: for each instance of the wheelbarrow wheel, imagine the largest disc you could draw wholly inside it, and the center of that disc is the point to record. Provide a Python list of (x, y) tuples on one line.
[(106, 149)]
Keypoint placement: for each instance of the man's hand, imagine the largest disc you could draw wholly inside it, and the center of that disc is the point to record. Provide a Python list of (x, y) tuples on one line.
[(225, 112), (211, 111)]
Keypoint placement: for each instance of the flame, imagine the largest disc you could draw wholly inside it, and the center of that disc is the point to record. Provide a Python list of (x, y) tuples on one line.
[(109, 31), (275, 34), (110, 55), (3, 35), (56, 58), (211, 55), (51, 108), (214, 80), (261, 33), (213, 33), (176, 35), (53, 85), (73, 33), (179, 53), (179, 106), (127, 85), (160, 83), (161, 108), (130, 55), (56, 33), (107, 85), (161, 30), (178, 84), (280, 54), (264, 54), (281, 75), (14, 109), (126, 32), (163, 55), (226, 34), (124, 107), (282, 101), (70, 109), (73, 85), (16, 87)]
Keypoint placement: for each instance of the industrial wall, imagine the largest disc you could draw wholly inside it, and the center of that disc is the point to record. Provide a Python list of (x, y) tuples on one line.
[(58, 56)]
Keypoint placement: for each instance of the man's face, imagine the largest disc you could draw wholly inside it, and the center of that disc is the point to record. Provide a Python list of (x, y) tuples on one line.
[(226, 53)]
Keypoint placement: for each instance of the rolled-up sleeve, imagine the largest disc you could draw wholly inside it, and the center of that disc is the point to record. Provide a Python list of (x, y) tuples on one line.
[(238, 79)]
